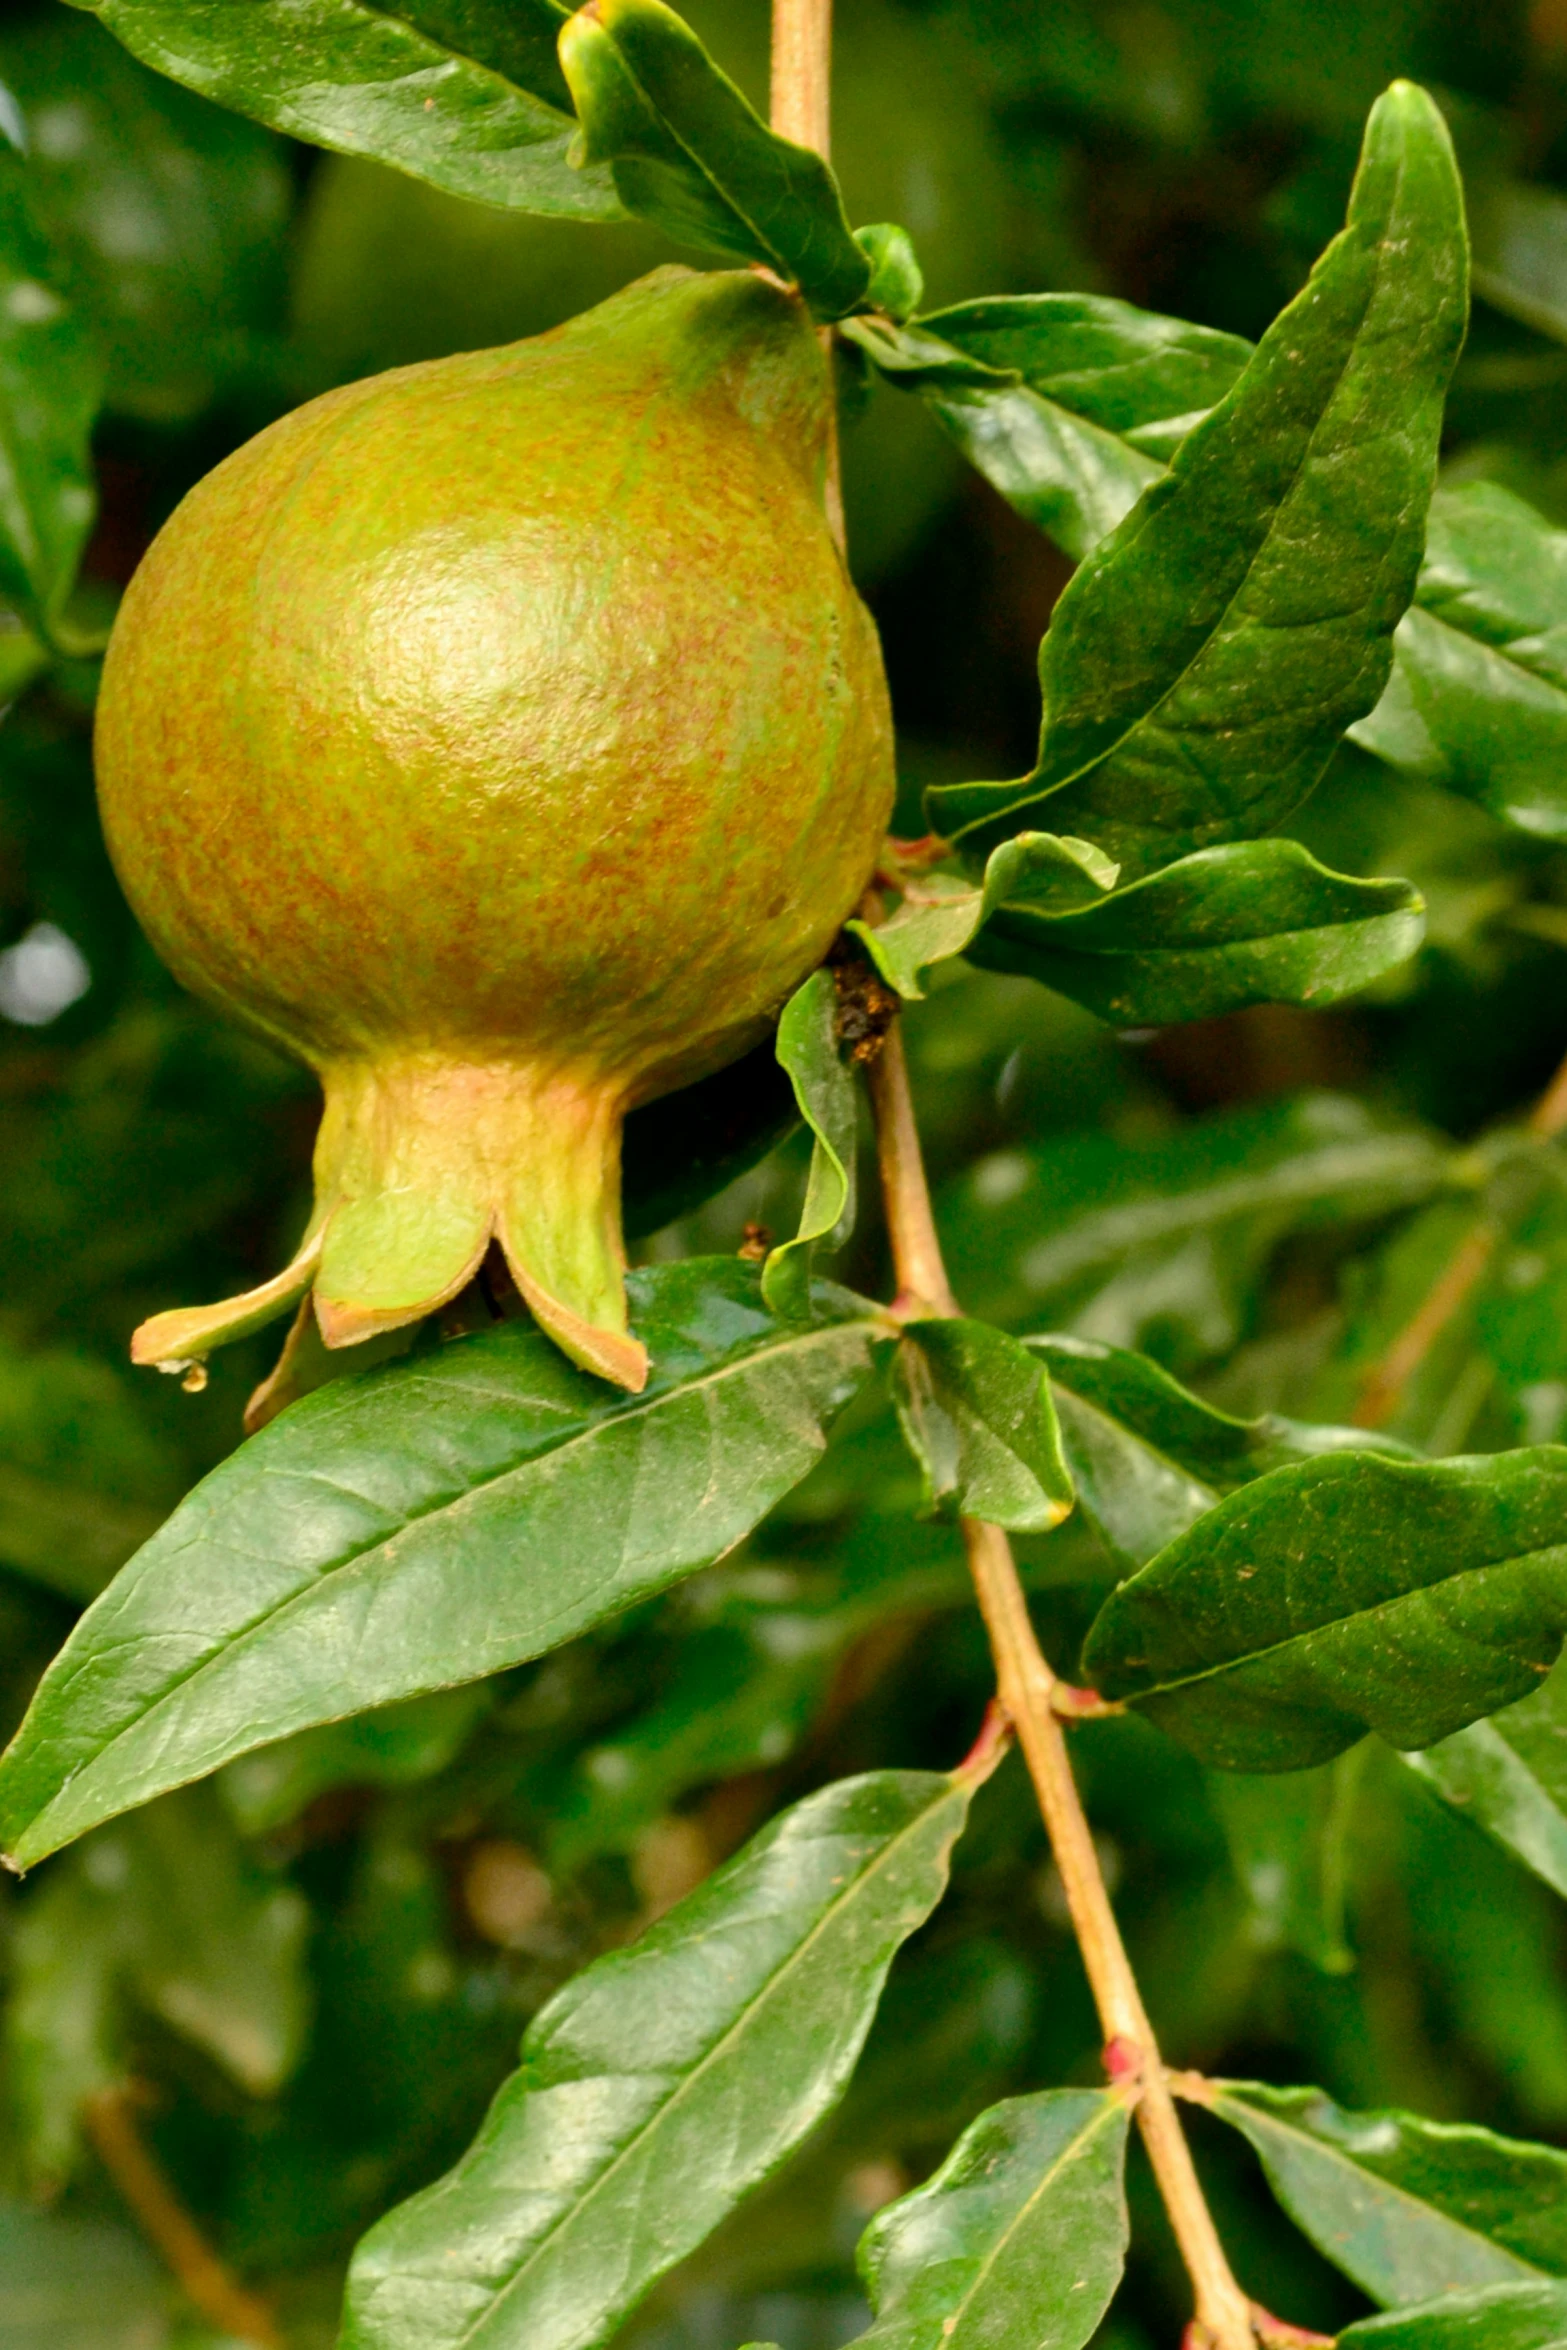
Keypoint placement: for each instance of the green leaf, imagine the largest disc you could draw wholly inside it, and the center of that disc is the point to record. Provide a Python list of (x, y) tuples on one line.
[(402, 85), (1342, 1595), (1518, 232), (1252, 922), (690, 153), (1113, 1233), (72, 2284), (1409, 2208), (825, 1092), (426, 1524), (1148, 1458), (663, 2082), (1207, 656), (1508, 2317), (1019, 2238), (897, 282), (1509, 1776), (49, 386), (975, 1407), (1478, 696), (940, 913), (1069, 404)]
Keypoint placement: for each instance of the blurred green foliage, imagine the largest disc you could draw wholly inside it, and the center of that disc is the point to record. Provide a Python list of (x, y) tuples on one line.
[(1258, 1202)]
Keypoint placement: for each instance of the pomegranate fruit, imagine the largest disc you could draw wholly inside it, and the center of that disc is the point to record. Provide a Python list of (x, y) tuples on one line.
[(502, 736)]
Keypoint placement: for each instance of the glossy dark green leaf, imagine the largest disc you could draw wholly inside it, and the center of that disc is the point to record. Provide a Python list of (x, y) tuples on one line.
[(1409, 2208), (427, 1524), (1070, 404), (688, 152), (975, 1408), (1508, 2317), (1177, 1227), (50, 378), (1248, 923), (73, 2284), (400, 84), (828, 1100), (1019, 2238), (185, 306), (663, 2082), (1509, 1776), (1207, 656), (940, 913), (1478, 695), (1149, 1458), (1342, 1595)]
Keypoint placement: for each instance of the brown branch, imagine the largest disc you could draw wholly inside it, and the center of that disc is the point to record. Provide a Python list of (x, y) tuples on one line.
[(1029, 1694), (111, 2125), (801, 105), (1384, 1386)]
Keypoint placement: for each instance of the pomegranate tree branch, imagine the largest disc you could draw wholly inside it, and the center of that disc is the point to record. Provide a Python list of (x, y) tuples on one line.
[(1027, 1689), (801, 105), (111, 2125), (1383, 1389)]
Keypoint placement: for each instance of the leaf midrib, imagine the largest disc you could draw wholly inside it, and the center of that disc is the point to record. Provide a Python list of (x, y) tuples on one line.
[(1112, 2111), (639, 1409), (710, 2056)]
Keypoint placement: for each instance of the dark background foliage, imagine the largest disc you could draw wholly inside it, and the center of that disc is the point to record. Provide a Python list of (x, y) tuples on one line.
[(319, 1965)]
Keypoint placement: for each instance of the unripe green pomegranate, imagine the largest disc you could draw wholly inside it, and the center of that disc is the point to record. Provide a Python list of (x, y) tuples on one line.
[(503, 737)]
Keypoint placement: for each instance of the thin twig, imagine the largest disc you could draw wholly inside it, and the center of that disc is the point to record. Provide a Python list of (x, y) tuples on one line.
[(1028, 1690), (111, 2124), (1384, 1386), (801, 106)]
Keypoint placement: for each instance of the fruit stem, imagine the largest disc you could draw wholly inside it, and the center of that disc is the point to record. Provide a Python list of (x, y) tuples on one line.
[(1027, 1688), (801, 105)]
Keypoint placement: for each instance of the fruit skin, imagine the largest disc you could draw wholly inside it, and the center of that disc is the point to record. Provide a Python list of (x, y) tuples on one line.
[(504, 737)]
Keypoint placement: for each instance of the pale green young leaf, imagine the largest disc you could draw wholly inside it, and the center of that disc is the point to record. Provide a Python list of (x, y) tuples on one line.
[(828, 1100), (1208, 654), (976, 1410), (1341, 1595), (941, 913), (464, 93), (1019, 2238), (1409, 2208), (1246, 923), (689, 152), (426, 1524), (663, 2082), (1478, 696), (1507, 2317)]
